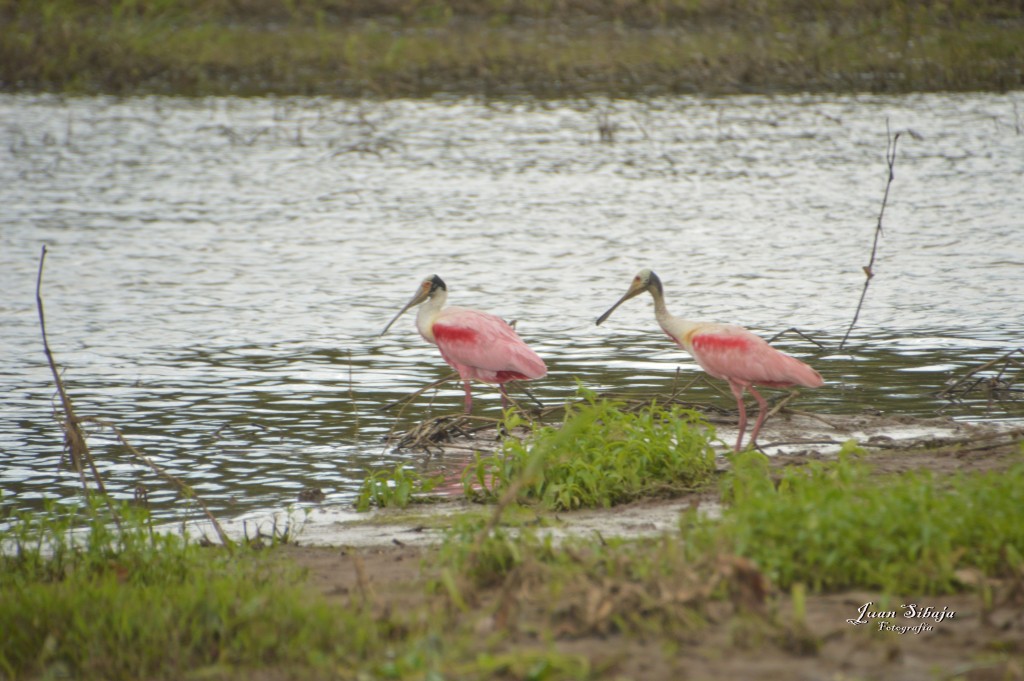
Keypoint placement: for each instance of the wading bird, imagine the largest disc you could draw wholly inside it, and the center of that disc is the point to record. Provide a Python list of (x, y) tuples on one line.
[(726, 351), (476, 344)]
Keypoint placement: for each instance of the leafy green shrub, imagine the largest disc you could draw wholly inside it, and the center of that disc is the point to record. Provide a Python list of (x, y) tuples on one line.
[(394, 488), (601, 455), (833, 525)]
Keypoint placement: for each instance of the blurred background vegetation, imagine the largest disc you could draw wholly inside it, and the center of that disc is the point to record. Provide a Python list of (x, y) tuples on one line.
[(546, 48)]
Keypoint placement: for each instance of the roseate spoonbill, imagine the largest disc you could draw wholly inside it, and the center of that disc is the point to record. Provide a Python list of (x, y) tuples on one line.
[(726, 351), (476, 344)]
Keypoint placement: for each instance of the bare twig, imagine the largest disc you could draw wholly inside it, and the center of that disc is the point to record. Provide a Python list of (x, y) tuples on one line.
[(413, 395), (869, 272), (183, 488), (351, 393), (74, 435), (798, 332), (782, 403), (75, 438), (964, 385)]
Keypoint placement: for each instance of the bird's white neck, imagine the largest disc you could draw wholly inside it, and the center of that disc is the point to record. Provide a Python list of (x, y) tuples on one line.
[(661, 312), (428, 312), (675, 327)]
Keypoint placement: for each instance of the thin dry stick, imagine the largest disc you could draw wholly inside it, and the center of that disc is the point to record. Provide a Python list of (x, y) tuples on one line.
[(529, 393), (869, 272), (782, 403), (413, 395), (405, 402), (159, 470), (351, 392), (798, 332), (74, 436), (1008, 357)]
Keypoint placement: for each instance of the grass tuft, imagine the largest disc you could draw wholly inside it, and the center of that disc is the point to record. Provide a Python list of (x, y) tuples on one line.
[(94, 602), (601, 455), (833, 525), (395, 488)]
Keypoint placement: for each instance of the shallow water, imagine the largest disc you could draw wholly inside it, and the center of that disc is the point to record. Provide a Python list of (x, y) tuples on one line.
[(219, 270)]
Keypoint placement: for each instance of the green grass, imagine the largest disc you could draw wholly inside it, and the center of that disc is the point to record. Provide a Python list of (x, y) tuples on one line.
[(599, 456), (836, 525), (82, 599), (90, 601), (395, 488), (582, 585), (548, 49)]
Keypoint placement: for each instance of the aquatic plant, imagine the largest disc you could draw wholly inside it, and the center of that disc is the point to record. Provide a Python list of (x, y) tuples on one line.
[(393, 488), (599, 456)]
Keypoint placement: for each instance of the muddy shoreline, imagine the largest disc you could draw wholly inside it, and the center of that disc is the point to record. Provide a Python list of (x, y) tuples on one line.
[(894, 444), (389, 557)]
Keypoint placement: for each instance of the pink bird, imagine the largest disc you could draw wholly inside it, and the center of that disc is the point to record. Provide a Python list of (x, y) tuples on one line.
[(726, 351), (478, 345)]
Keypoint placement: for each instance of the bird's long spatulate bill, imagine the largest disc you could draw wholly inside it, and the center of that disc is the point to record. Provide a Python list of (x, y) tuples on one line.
[(394, 319), (421, 295), (608, 314), (633, 291)]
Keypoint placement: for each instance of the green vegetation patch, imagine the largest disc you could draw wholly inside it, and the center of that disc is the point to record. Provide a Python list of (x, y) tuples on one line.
[(506, 47), (395, 488), (835, 525), (105, 600), (601, 455), (95, 601), (589, 585)]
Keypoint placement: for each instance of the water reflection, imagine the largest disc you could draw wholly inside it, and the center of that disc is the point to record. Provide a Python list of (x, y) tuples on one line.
[(219, 269)]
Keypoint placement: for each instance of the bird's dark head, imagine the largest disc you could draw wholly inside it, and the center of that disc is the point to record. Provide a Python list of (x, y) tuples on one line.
[(645, 280), (430, 287)]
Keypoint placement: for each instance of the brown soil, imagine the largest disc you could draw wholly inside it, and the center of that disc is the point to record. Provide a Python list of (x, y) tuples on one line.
[(983, 640)]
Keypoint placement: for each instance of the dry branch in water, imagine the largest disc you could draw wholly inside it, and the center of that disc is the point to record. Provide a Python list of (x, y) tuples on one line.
[(869, 272), (443, 429), (798, 332), (999, 387), (75, 437)]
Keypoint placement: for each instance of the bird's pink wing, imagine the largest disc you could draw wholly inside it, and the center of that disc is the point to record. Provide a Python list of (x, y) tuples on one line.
[(484, 347), (735, 354)]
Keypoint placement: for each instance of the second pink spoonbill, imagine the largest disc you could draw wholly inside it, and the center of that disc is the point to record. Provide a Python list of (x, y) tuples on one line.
[(726, 351)]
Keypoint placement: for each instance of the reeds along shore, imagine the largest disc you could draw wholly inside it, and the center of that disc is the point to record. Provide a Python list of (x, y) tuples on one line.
[(545, 48)]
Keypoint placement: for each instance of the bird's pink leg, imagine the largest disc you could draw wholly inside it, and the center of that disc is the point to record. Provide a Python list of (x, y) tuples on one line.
[(737, 391), (760, 416), (469, 398)]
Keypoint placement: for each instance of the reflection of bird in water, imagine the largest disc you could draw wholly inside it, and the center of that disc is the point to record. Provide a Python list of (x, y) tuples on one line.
[(726, 351), (478, 345)]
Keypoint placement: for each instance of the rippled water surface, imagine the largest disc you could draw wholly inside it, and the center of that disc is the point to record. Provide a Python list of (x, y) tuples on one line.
[(219, 270)]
